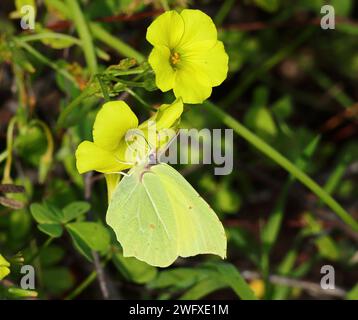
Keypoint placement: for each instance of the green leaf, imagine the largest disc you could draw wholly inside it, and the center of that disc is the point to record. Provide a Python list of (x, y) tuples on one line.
[(55, 40), (259, 117), (57, 280), (342, 7), (89, 236), (134, 269), (19, 224), (18, 5), (45, 213), (179, 278), (351, 29), (51, 255), (245, 242), (15, 293), (203, 288), (75, 210), (226, 200), (325, 244), (282, 108), (268, 5), (203, 281), (232, 277), (353, 293), (53, 230)]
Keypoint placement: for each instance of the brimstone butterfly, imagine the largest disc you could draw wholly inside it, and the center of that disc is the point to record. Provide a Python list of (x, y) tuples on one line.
[(158, 216)]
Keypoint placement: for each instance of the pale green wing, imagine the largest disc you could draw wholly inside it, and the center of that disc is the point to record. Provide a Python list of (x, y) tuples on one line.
[(141, 216), (198, 227), (157, 216)]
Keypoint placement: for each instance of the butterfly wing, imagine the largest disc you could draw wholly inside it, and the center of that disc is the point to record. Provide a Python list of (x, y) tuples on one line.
[(157, 216), (142, 218), (198, 227)]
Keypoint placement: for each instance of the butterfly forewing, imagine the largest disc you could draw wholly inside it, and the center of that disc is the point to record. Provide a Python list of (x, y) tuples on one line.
[(199, 229)]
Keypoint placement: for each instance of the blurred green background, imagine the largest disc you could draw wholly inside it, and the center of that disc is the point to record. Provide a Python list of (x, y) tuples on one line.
[(290, 82)]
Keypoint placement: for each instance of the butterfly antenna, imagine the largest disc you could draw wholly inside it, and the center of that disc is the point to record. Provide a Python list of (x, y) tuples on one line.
[(135, 150), (148, 143), (120, 172), (124, 162)]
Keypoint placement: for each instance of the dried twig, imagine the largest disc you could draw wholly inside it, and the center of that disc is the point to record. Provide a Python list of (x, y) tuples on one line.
[(310, 287), (11, 203), (65, 24), (96, 260)]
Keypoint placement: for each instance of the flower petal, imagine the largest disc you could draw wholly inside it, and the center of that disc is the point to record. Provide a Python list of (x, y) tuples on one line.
[(169, 114), (91, 157), (212, 61), (112, 122), (198, 27), (164, 74), (166, 30), (166, 116), (112, 181), (191, 84)]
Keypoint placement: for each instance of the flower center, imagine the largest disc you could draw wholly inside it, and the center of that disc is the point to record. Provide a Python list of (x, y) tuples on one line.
[(174, 58)]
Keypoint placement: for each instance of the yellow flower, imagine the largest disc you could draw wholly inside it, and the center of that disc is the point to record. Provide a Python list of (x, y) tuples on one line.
[(258, 287), (187, 57), (4, 267), (108, 151)]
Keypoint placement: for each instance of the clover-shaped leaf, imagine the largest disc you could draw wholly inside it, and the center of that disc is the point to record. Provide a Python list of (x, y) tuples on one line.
[(89, 236)]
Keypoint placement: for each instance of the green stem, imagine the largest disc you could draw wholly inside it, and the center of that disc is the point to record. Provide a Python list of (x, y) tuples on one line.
[(327, 84), (114, 42), (78, 290), (73, 104), (139, 99), (47, 157), (129, 83), (128, 72), (38, 252), (45, 60), (49, 35), (84, 34), (103, 88), (165, 5), (283, 162), (85, 283), (3, 155), (9, 144), (223, 11)]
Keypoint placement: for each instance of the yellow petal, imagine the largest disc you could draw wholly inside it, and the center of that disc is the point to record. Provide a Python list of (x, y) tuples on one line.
[(112, 181), (159, 59), (169, 114), (198, 27), (91, 157), (4, 271), (192, 84), (166, 30), (4, 262), (112, 122), (213, 61), (166, 116)]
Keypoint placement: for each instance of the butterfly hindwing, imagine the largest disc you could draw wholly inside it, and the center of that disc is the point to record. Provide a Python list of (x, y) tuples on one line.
[(141, 216), (157, 216)]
